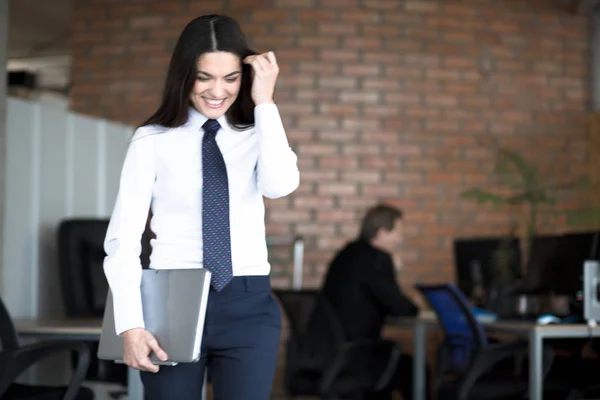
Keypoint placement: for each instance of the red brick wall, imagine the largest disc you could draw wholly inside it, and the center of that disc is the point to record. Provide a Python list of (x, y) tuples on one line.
[(402, 100)]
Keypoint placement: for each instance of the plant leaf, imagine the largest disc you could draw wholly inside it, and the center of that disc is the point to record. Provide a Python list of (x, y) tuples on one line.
[(515, 171), (584, 217), (483, 197)]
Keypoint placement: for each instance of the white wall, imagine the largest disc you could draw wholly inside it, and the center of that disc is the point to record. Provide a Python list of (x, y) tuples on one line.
[(58, 164), (3, 62)]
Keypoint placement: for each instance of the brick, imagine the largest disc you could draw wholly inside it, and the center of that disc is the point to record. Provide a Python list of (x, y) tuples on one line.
[(337, 29), (380, 84), (361, 70), (337, 189), (316, 15), (337, 82), (317, 122), (312, 95), (254, 4), (314, 229), (361, 42), (381, 31), (289, 216), (108, 50), (364, 149), (382, 100), (335, 4), (422, 6), (359, 97), (320, 175), (335, 216), (338, 162), (317, 41), (271, 15), (362, 176), (317, 149), (338, 55), (121, 10), (361, 123), (360, 16), (295, 81), (386, 5), (295, 3), (317, 68), (146, 22), (382, 111), (338, 109)]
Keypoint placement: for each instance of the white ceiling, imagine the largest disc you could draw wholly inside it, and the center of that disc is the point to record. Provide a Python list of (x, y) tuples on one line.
[(39, 36)]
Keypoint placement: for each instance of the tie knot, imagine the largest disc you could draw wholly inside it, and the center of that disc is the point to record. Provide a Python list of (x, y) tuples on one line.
[(211, 126)]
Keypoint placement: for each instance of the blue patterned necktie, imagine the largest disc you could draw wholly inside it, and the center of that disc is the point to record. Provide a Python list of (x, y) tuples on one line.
[(215, 209)]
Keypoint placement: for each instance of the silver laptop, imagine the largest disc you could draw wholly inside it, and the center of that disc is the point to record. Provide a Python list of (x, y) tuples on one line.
[(174, 307)]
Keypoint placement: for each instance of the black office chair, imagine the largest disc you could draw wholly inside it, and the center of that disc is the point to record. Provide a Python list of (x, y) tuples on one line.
[(84, 285), (15, 359), (325, 364)]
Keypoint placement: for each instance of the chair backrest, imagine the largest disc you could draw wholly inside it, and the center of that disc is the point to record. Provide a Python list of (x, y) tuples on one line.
[(8, 334), (305, 308), (315, 329), (298, 307), (463, 334), (81, 257)]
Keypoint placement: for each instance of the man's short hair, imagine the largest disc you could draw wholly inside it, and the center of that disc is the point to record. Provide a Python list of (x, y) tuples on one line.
[(380, 216)]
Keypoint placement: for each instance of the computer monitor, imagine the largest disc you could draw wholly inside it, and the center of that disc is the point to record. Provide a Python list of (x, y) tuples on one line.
[(473, 261), (591, 290), (556, 263)]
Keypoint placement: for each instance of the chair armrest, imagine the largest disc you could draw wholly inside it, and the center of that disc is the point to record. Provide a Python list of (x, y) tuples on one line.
[(14, 362), (359, 353), (491, 354)]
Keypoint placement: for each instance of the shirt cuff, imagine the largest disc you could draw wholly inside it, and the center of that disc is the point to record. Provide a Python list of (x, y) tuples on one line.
[(128, 310)]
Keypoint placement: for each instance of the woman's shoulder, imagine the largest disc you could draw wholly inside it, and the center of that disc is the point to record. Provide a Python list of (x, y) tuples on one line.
[(148, 131)]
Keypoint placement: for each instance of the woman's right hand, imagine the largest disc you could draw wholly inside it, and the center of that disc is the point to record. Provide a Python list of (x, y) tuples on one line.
[(138, 344)]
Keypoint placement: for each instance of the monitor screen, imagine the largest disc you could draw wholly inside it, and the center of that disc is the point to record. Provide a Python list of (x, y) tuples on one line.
[(556, 262), (473, 260)]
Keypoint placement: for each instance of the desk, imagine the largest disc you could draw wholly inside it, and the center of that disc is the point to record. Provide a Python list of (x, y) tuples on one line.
[(530, 330), (74, 329)]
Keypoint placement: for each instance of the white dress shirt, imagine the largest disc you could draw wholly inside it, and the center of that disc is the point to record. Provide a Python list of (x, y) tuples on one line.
[(163, 170)]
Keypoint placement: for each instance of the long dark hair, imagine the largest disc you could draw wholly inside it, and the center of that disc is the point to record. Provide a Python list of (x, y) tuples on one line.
[(204, 34)]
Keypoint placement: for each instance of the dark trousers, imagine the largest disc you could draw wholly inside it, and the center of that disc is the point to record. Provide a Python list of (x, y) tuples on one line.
[(239, 347)]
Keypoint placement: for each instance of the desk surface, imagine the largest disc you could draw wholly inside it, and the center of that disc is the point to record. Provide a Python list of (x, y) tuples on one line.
[(67, 326), (516, 327)]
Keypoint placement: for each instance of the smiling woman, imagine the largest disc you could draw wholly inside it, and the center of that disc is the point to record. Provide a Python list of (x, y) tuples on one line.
[(218, 43), (203, 162), (217, 84)]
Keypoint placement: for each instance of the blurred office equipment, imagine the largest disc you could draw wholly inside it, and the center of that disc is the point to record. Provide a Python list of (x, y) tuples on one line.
[(325, 364), (466, 357), (487, 270), (15, 359), (84, 286)]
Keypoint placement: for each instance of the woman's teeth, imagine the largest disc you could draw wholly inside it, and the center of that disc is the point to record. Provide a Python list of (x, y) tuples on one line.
[(215, 103)]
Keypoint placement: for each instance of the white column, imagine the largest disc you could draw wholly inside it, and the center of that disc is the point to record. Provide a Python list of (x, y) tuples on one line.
[(3, 73), (596, 60)]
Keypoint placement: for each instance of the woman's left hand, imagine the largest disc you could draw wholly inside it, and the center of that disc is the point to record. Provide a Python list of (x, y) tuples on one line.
[(265, 76)]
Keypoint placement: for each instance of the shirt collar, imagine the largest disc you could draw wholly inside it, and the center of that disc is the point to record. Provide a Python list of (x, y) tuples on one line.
[(196, 119)]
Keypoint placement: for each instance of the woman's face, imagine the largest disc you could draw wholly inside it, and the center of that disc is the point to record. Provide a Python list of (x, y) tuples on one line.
[(218, 80)]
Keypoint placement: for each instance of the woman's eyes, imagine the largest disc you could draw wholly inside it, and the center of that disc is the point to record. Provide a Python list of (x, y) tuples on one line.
[(228, 80)]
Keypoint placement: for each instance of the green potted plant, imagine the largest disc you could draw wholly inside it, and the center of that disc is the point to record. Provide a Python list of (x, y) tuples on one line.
[(526, 189)]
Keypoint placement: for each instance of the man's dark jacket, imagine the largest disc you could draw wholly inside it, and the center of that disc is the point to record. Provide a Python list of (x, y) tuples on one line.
[(361, 287)]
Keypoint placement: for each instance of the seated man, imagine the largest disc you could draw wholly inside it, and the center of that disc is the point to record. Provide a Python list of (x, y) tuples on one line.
[(361, 286)]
